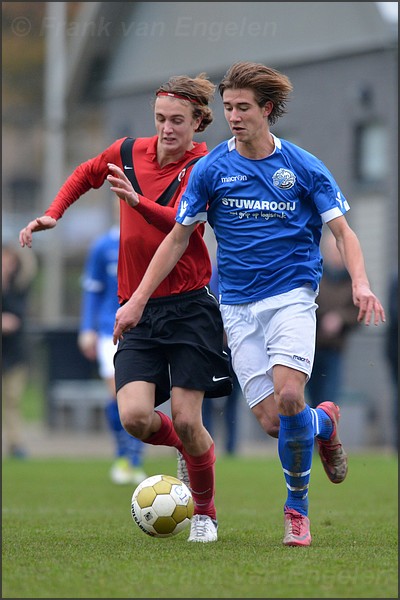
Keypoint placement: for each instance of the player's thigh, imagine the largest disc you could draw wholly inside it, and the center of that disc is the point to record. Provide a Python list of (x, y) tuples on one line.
[(290, 329), (136, 401), (250, 361), (186, 406), (138, 361), (289, 387)]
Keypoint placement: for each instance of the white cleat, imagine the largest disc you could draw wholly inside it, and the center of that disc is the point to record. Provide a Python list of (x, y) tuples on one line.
[(203, 529)]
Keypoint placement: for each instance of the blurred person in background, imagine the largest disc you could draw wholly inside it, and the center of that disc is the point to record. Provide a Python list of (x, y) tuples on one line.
[(177, 352), (18, 273), (228, 405), (336, 318), (392, 348), (95, 340)]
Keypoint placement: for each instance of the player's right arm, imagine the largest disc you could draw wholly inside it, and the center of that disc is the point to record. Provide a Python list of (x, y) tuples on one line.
[(88, 175), (38, 224)]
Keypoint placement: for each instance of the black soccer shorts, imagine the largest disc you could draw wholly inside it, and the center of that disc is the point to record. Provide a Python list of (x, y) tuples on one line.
[(178, 342)]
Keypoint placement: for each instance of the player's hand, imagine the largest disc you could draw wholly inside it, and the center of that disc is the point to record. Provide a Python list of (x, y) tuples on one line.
[(331, 323), (10, 323), (370, 308), (87, 342), (126, 317), (121, 185), (39, 224)]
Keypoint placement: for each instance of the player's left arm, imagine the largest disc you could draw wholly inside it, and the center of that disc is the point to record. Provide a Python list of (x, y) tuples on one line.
[(162, 217), (369, 306)]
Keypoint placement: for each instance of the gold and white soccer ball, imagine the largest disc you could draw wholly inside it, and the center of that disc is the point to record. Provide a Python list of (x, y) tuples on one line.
[(162, 506)]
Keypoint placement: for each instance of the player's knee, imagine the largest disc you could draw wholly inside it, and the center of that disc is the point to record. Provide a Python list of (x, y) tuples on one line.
[(269, 424), (137, 424), (272, 428), (186, 429), (290, 400), (267, 415)]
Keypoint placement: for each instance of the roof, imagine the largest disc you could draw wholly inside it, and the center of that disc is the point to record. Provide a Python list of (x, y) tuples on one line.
[(140, 43)]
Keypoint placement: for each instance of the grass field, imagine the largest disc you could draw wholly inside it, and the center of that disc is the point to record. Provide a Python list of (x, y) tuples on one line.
[(68, 533)]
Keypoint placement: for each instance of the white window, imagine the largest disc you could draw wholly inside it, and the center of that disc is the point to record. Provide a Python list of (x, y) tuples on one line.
[(371, 152)]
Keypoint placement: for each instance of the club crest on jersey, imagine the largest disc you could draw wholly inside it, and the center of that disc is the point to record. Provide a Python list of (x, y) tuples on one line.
[(284, 179), (182, 174)]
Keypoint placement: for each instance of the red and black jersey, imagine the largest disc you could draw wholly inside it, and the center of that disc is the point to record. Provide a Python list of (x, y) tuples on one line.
[(144, 227)]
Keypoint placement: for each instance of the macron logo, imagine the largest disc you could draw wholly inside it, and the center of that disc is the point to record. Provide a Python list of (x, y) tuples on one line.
[(232, 178), (344, 205), (339, 199)]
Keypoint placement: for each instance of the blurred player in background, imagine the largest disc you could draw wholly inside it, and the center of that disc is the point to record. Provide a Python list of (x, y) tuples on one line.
[(17, 274), (227, 406), (392, 349), (95, 340), (336, 319)]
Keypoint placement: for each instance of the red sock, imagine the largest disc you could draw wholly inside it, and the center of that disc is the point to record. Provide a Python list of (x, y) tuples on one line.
[(202, 481), (166, 435)]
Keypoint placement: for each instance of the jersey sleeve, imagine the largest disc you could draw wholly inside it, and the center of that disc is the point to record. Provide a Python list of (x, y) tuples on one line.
[(163, 217), (192, 207), (326, 194), (88, 175)]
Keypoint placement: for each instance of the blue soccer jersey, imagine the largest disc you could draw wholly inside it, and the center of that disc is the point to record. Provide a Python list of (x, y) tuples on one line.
[(99, 282), (267, 216)]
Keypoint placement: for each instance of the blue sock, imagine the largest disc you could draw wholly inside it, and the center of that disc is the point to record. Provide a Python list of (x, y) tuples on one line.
[(134, 450), (115, 425), (126, 445), (323, 426), (295, 448)]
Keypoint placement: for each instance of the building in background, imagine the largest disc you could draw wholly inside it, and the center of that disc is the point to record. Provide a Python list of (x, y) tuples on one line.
[(342, 60)]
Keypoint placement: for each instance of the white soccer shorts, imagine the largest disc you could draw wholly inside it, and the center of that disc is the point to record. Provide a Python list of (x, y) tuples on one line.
[(275, 331)]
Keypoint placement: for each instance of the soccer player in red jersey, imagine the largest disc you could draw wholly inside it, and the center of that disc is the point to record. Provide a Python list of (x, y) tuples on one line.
[(177, 349)]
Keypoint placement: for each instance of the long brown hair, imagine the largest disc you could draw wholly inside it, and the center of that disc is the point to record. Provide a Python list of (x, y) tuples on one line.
[(267, 84)]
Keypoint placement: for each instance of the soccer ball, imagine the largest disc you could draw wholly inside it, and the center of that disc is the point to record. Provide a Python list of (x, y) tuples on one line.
[(162, 506)]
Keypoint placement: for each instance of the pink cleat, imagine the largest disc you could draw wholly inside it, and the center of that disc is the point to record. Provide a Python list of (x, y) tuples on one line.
[(297, 529)]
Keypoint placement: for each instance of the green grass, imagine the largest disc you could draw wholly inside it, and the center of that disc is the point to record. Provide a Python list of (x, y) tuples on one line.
[(33, 403), (68, 533)]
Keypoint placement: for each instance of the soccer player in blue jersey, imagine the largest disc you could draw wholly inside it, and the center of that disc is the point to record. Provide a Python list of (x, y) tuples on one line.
[(267, 201), (98, 308)]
